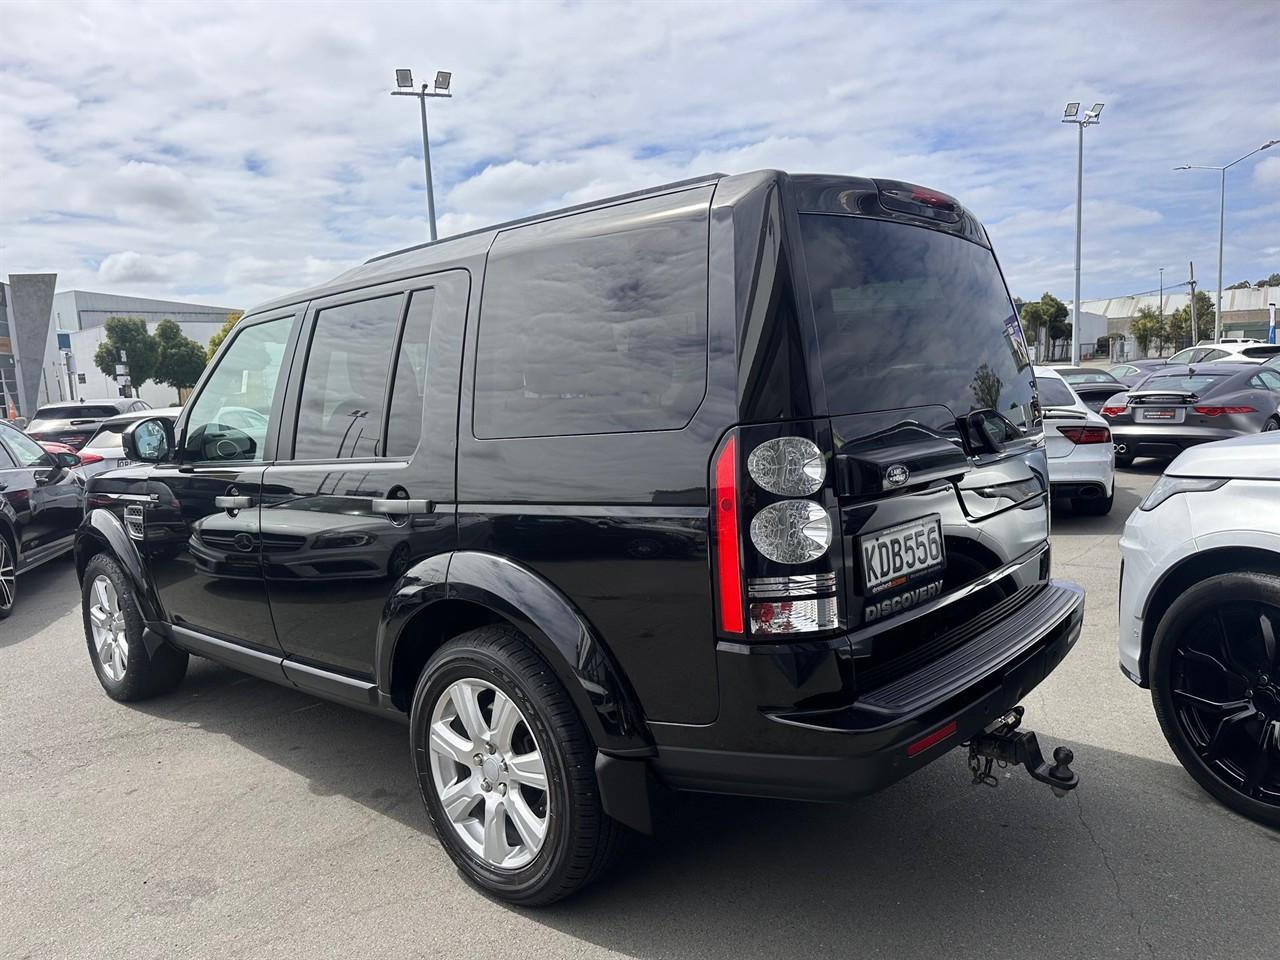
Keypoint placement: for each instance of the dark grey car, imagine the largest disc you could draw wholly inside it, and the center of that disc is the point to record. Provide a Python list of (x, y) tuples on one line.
[(1180, 406), (1131, 372), (74, 422)]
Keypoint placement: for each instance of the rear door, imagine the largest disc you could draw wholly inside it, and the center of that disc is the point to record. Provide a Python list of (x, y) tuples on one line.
[(364, 486), (935, 423)]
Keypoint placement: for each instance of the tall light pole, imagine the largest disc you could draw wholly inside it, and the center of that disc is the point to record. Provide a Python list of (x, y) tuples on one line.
[(1222, 212), (404, 84), (1162, 296), (1072, 115)]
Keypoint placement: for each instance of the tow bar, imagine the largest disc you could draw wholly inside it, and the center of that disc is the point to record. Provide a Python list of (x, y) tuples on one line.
[(1003, 743)]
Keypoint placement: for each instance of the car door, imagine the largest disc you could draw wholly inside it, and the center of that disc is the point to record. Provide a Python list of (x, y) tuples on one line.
[(364, 485), (54, 502), (200, 526)]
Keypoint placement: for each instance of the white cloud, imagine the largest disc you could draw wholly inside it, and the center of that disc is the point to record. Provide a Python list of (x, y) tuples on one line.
[(239, 151)]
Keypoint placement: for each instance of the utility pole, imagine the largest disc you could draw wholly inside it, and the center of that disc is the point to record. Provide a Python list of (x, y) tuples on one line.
[(1162, 296), (1195, 337)]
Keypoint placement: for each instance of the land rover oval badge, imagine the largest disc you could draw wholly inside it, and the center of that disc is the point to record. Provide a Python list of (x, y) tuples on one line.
[(897, 475)]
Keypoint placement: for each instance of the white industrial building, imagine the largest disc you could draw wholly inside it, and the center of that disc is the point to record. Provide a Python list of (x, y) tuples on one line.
[(48, 341)]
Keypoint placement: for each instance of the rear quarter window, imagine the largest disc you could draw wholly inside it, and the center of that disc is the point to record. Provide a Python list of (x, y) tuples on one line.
[(1054, 393), (596, 322)]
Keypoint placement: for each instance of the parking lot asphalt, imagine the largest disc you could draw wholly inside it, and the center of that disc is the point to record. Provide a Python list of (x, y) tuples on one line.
[(235, 818)]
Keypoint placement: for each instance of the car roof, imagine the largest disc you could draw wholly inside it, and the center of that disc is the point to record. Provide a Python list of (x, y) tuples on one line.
[(1050, 372)]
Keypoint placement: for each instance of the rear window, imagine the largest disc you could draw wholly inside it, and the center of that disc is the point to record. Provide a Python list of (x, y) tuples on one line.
[(1054, 393), (108, 437), (75, 413), (909, 316), (1266, 350), (1183, 382), (1087, 376), (595, 323)]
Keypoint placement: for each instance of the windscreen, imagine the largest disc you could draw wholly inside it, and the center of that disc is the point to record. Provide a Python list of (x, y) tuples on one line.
[(88, 412), (1054, 393), (909, 316)]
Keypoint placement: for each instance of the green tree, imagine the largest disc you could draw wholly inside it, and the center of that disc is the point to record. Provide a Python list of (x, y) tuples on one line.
[(1242, 285), (180, 360), (1147, 327), (130, 335), (1271, 281), (1179, 325), (216, 340), (1034, 323)]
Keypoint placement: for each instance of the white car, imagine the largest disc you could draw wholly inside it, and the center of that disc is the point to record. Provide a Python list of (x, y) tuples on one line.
[(102, 451), (1200, 616), (1228, 351), (1082, 459)]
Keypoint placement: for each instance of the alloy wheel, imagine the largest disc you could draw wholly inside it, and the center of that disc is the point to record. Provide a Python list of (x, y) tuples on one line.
[(1226, 695), (8, 576), (489, 774), (107, 621)]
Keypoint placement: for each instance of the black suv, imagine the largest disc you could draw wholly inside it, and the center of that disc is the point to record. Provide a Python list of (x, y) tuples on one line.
[(736, 485)]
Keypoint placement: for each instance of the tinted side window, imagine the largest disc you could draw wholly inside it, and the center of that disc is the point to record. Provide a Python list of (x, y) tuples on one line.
[(229, 419), (1270, 380), (595, 323), (6, 461), (24, 450), (341, 409), (408, 389), (1054, 393)]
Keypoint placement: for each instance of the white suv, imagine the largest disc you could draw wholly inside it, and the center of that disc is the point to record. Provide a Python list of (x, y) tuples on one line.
[(1200, 616)]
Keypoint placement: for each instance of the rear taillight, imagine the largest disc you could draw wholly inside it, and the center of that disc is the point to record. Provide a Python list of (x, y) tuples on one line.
[(725, 534), (1113, 411), (1082, 435), (1219, 411), (773, 534), (87, 458)]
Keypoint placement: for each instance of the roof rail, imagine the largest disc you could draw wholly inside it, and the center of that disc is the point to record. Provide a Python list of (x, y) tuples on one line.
[(707, 178)]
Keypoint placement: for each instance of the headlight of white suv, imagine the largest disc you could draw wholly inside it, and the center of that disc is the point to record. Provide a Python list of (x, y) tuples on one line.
[(1167, 487)]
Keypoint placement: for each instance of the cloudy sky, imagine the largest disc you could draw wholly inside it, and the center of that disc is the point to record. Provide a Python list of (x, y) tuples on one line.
[(226, 153)]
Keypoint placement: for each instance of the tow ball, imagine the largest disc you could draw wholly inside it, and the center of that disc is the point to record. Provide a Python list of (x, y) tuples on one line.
[(1003, 743)]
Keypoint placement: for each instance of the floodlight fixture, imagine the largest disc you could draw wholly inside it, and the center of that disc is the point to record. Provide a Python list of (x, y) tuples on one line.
[(1072, 109), (1097, 109), (404, 78), (442, 79)]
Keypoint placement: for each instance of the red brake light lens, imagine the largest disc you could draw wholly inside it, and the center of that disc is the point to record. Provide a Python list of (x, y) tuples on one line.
[(932, 739), (1219, 411), (725, 530), (89, 458), (1086, 434), (1113, 411)]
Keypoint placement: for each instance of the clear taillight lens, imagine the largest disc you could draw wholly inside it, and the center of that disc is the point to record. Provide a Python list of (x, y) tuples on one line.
[(791, 531), (794, 616), (788, 466)]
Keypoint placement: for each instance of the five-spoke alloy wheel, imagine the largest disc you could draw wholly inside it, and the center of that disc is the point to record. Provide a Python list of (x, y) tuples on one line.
[(507, 769), (8, 578), (106, 622), (1216, 688)]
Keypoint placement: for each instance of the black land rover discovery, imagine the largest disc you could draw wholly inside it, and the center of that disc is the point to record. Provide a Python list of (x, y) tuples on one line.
[(732, 485)]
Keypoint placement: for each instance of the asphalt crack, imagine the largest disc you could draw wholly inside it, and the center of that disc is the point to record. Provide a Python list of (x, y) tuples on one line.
[(1115, 878)]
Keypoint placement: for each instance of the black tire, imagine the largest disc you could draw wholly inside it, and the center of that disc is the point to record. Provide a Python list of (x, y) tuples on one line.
[(580, 839), (145, 675), (1204, 647), (1272, 424), (1124, 460), (9, 573), (1095, 506)]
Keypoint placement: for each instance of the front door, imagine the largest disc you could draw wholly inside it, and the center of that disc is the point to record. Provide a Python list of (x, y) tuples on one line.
[(362, 488), (201, 527), (46, 503)]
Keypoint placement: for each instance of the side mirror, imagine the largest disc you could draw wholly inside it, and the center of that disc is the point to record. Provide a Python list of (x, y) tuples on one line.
[(149, 440), (68, 460)]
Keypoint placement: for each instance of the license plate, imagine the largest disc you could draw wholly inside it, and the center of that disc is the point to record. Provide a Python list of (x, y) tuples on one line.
[(122, 462), (892, 556), (1161, 415)]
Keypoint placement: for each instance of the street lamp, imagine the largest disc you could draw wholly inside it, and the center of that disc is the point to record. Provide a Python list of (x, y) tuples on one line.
[(1072, 115), (1222, 209), (405, 88)]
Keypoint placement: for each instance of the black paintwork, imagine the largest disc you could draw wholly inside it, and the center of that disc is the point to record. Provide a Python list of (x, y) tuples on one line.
[(597, 547), (41, 504)]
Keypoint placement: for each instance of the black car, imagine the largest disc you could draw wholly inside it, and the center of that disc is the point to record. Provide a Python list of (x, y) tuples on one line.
[(74, 422), (1180, 406), (1094, 387), (41, 505), (736, 485)]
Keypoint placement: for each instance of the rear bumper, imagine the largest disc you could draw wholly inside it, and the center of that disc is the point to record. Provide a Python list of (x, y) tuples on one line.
[(1163, 441), (839, 753)]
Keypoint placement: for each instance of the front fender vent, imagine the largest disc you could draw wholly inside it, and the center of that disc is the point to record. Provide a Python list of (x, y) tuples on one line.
[(133, 520)]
